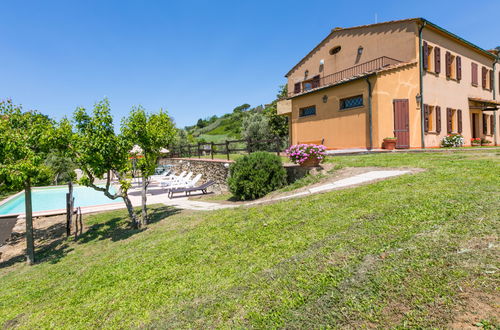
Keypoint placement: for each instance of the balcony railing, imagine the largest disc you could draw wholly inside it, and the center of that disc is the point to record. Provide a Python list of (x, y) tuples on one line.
[(357, 70)]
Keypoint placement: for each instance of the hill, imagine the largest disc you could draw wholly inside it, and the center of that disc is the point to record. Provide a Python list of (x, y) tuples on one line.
[(225, 127), (417, 251)]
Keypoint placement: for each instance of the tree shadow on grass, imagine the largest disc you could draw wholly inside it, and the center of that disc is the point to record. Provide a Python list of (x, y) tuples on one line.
[(52, 244), (118, 228)]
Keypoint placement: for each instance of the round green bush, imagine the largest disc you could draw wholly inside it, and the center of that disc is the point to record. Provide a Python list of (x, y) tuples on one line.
[(256, 175)]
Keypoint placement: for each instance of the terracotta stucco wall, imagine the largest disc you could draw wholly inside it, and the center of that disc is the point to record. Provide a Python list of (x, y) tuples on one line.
[(401, 83), (394, 40), (448, 93), (340, 128)]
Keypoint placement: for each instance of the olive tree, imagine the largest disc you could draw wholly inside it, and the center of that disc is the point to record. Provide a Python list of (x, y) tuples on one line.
[(151, 132), (101, 154), (25, 140)]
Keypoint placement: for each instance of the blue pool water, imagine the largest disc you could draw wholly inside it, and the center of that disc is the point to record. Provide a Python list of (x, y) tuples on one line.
[(46, 199)]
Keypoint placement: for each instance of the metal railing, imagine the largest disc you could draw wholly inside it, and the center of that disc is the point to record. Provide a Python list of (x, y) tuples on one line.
[(357, 70)]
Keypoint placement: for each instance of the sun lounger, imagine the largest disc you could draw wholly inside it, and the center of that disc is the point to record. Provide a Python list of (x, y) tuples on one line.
[(183, 183), (189, 190)]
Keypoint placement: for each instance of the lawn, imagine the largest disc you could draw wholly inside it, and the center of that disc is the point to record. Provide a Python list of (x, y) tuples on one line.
[(414, 251)]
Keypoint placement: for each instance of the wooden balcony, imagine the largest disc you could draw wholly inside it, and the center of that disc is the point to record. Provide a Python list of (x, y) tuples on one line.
[(344, 75)]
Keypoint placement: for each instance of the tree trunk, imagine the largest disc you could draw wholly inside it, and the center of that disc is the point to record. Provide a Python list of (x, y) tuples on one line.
[(30, 245), (130, 209), (144, 198)]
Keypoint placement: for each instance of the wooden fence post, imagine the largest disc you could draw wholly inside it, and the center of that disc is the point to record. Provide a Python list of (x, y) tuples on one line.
[(189, 150), (278, 145), (249, 146), (227, 149), (199, 151), (212, 149)]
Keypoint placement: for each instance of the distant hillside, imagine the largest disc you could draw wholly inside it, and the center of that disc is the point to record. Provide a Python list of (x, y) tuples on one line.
[(225, 127)]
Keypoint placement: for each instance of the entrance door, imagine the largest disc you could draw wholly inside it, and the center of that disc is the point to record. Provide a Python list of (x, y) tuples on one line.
[(475, 125), (402, 123)]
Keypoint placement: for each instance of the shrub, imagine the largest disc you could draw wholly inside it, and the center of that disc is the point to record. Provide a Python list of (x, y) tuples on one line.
[(452, 140), (256, 175), (299, 153)]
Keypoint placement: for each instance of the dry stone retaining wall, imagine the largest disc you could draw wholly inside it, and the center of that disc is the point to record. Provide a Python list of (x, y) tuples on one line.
[(210, 169)]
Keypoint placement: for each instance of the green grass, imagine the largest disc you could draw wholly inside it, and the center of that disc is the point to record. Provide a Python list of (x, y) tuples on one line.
[(405, 252)]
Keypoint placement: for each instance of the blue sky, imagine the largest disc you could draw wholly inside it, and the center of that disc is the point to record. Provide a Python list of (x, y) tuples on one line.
[(193, 58)]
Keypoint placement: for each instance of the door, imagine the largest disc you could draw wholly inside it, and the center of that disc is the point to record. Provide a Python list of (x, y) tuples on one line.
[(402, 123), (475, 125)]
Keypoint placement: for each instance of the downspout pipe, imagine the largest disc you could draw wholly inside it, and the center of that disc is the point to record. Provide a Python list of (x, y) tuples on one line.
[(497, 60), (370, 121), (421, 64)]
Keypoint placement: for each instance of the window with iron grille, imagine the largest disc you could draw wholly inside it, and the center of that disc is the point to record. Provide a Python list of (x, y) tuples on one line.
[(308, 111), (351, 102)]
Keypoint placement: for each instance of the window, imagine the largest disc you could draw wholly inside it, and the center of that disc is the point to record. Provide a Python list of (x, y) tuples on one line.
[(431, 58), (484, 78), (430, 53), (488, 121), (351, 102), (335, 50), (296, 88), (453, 120), (308, 111), (432, 118), (453, 67), (474, 74), (311, 83), (490, 87)]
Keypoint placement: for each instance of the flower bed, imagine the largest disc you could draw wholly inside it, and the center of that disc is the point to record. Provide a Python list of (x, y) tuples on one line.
[(306, 154), (452, 140)]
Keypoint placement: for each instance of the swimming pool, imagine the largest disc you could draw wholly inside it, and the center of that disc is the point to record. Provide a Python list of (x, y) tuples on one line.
[(54, 198)]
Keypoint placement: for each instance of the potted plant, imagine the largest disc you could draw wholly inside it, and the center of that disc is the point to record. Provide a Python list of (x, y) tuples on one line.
[(389, 143), (306, 155), (475, 141), (485, 142)]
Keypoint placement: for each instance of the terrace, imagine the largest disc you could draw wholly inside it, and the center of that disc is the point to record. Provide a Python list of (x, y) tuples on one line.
[(343, 75)]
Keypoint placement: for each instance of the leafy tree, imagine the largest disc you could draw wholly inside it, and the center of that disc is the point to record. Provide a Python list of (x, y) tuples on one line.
[(278, 125), (61, 166), (151, 132), (201, 123), (100, 153), (255, 126), (241, 108), (25, 139)]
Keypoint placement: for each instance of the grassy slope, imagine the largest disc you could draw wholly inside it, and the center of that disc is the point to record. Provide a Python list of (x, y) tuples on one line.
[(382, 254)]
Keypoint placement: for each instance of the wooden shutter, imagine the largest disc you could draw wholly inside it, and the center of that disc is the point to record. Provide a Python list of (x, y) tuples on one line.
[(491, 80), (448, 120), (315, 81), (474, 73), (296, 89), (492, 123), (426, 117), (438, 119), (437, 60), (448, 64), (459, 68), (485, 124), (459, 120), (426, 55), (484, 71)]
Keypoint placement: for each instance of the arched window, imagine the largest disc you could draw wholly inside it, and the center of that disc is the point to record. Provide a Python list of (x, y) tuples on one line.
[(335, 50)]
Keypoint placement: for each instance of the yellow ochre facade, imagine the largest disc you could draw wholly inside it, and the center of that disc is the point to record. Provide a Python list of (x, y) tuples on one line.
[(409, 78)]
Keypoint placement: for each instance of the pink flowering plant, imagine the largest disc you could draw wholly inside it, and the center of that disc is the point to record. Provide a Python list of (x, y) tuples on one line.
[(299, 153)]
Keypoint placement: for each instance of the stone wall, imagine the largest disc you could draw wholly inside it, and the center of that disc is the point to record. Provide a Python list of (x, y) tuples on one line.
[(210, 169), (218, 170)]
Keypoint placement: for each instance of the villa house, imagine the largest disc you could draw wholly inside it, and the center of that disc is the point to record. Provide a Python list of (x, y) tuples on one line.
[(409, 78)]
